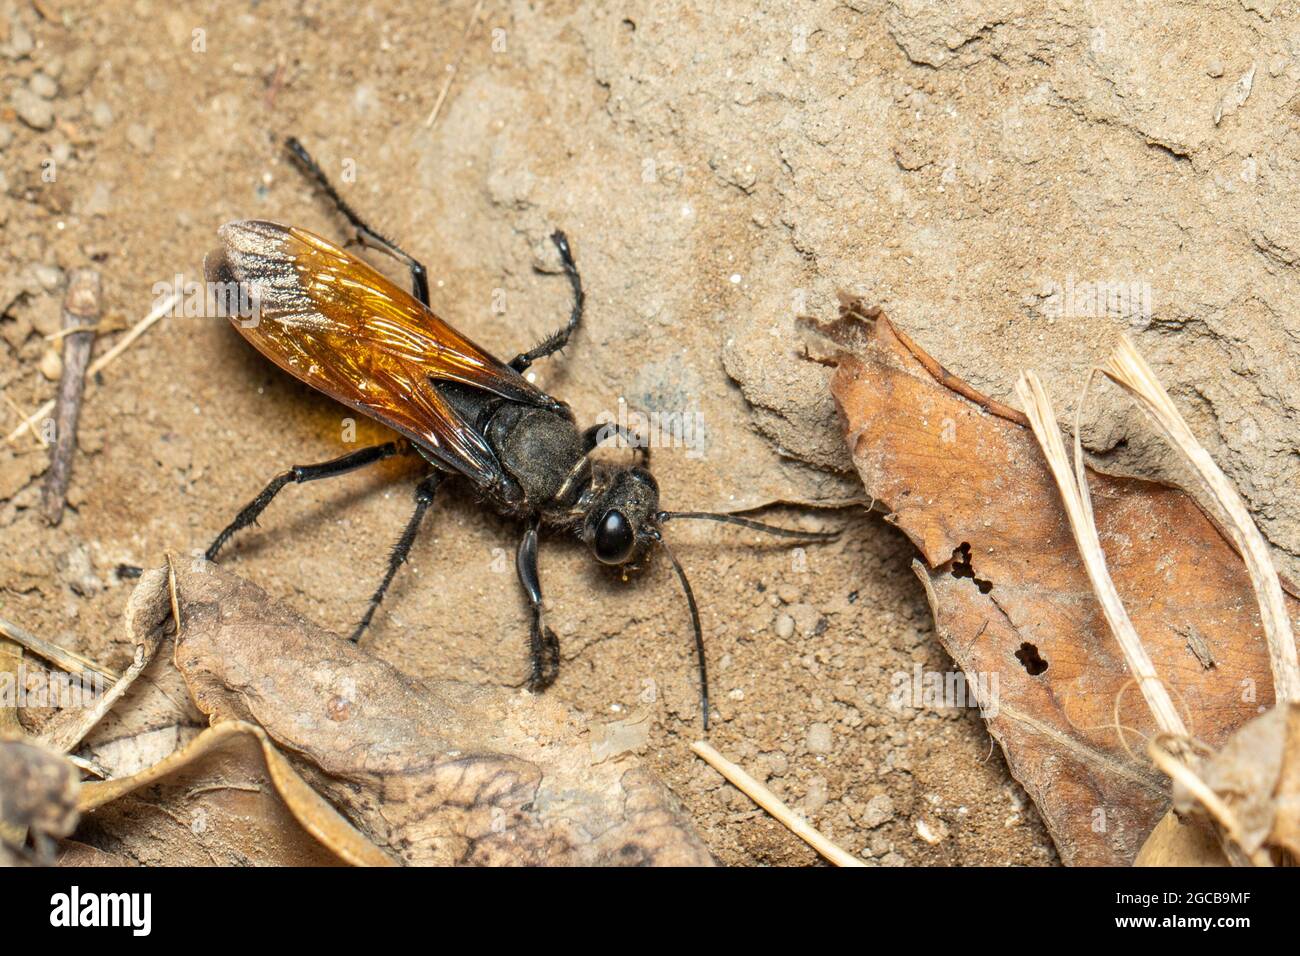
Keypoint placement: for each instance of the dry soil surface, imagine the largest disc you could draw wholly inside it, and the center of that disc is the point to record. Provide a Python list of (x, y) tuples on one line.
[(1014, 182)]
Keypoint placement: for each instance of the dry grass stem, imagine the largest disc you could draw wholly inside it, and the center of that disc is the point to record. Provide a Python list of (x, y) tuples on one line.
[(1078, 508), (1130, 371), (769, 801), (102, 362)]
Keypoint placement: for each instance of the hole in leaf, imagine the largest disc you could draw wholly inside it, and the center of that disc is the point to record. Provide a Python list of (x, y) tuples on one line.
[(963, 568), (1031, 660)]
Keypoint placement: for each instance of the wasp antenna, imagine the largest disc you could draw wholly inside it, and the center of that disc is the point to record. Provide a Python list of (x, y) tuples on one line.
[(695, 623), (750, 524)]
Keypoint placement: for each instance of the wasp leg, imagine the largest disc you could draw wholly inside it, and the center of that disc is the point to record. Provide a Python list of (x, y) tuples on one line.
[(298, 474), (543, 645), (595, 435), (424, 492), (367, 236), (559, 338)]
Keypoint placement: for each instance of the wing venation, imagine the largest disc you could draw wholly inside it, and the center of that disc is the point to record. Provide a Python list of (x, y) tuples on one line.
[(335, 322)]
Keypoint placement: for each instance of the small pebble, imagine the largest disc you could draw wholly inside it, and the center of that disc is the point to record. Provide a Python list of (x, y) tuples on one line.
[(808, 619), (6, 135), (784, 626), (140, 137), (1215, 68), (102, 115), (820, 740), (880, 810), (788, 593), (32, 110), (20, 42), (99, 202), (44, 86), (50, 277), (51, 365), (817, 795), (932, 833), (79, 69)]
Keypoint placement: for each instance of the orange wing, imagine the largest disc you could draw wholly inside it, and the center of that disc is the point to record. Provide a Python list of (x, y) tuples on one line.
[(332, 320)]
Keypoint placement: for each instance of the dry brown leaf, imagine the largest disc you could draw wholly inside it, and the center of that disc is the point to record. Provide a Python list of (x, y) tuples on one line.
[(316, 816), (11, 661), (78, 855), (11, 668), (1286, 795), (436, 772), (1250, 788), (1176, 842), (154, 718), (963, 477), (38, 795)]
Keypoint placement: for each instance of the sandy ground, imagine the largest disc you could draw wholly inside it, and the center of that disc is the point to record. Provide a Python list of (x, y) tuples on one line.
[(720, 168)]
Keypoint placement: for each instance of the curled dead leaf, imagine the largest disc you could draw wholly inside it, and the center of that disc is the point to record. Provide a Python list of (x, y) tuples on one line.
[(432, 772), (963, 477)]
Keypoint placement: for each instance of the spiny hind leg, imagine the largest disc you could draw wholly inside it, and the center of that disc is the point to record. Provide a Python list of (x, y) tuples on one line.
[(367, 235), (249, 514), (424, 493)]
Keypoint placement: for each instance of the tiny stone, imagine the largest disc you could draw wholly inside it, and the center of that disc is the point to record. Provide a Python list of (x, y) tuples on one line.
[(1215, 68), (102, 115), (6, 135), (99, 202), (51, 365), (808, 619), (50, 277), (140, 137), (79, 69), (784, 627), (880, 810), (32, 110), (44, 86), (20, 42), (932, 833), (817, 796), (788, 593), (819, 738)]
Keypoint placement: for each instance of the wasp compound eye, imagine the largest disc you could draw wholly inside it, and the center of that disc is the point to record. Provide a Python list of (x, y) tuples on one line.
[(614, 538)]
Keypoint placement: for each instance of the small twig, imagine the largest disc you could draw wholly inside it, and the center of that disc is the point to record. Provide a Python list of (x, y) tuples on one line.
[(769, 801), (81, 308), (103, 361), (452, 70), (277, 81), (1222, 814), (173, 595), (1130, 371), (1078, 508), (66, 660), (23, 416), (64, 333)]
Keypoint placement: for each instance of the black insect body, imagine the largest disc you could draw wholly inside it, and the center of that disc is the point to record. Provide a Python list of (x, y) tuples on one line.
[(331, 320)]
